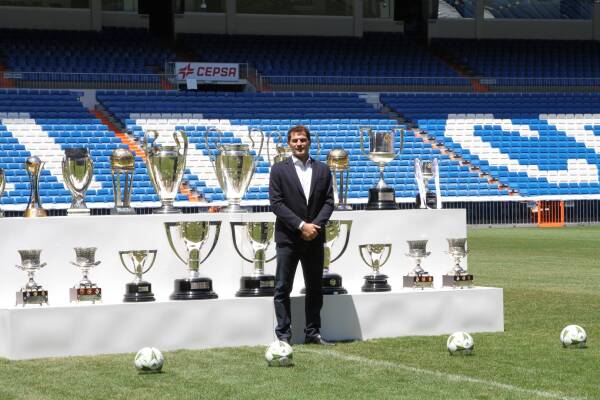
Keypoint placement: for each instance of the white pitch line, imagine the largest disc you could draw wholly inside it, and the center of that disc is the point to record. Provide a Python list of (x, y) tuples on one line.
[(443, 375)]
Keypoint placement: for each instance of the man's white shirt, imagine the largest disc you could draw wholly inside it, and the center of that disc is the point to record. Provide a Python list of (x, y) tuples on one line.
[(304, 172)]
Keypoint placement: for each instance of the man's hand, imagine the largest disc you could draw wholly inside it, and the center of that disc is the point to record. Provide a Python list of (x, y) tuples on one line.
[(309, 231)]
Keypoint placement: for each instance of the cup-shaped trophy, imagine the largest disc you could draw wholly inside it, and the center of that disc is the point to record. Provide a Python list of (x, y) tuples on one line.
[(260, 235), (85, 290), (33, 166), (373, 256), (417, 277), (234, 166), (381, 151), (31, 293), (338, 161), (193, 235), (138, 262), (426, 170), (166, 164), (282, 148), (77, 170), (457, 277), (2, 186), (122, 167)]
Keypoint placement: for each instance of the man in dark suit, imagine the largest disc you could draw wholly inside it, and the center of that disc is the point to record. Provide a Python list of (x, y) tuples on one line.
[(301, 196)]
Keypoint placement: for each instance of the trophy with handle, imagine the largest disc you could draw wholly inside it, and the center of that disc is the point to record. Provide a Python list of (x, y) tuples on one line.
[(375, 259), (418, 277), (136, 262), (166, 165), (424, 172), (381, 152), (31, 293), (457, 277), (122, 168), (282, 148), (338, 161), (194, 235), (33, 166), (86, 290), (2, 186), (77, 170), (234, 167)]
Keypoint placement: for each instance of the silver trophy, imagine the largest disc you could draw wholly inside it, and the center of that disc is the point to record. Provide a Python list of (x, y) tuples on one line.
[(282, 148), (338, 161), (375, 259), (166, 165), (2, 186), (122, 167), (234, 167), (260, 235), (418, 277), (194, 235), (31, 293), (457, 277), (34, 166), (77, 170), (137, 262), (86, 290), (424, 172), (381, 151)]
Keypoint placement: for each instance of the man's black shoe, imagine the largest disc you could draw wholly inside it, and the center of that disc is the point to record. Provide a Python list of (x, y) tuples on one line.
[(317, 339)]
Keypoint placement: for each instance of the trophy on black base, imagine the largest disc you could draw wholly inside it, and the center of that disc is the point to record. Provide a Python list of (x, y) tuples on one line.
[(122, 167), (424, 171), (193, 234), (417, 277), (375, 282), (260, 235), (139, 290), (31, 293), (381, 151), (85, 259), (338, 161), (77, 170), (457, 277)]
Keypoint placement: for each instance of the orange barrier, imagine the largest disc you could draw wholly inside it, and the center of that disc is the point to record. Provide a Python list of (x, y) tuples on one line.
[(549, 214)]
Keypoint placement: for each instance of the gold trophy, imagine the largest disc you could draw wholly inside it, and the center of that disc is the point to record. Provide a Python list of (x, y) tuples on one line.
[(122, 167), (33, 166), (376, 282)]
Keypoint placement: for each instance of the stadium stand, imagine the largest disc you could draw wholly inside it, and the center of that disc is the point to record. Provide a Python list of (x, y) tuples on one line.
[(526, 9)]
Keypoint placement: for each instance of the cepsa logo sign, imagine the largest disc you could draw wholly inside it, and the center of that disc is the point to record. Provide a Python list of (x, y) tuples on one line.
[(207, 71)]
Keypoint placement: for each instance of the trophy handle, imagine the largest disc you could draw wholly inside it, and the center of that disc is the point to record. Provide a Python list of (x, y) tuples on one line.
[(153, 252), (121, 253), (361, 132), (318, 146), (181, 134), (436, 180), (168, 226), (148, 151), (217, 225), (262, 140), (401, 140), (218, 144), (66, 176), (233, 237), (361, 247), (90, 174), (269, 139), (389, 247), (348, 226)]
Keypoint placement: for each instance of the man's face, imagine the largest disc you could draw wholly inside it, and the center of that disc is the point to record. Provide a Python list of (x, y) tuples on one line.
[(299, 144)]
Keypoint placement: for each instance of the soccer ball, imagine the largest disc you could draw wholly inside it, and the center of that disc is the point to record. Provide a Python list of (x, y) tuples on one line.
[(149, 359), (279, 354), (573, 336), (460, 343)]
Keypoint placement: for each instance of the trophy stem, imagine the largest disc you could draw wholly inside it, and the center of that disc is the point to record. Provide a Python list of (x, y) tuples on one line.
[(326, 257), (259, 262), (234, 207), (167, 208), (31, 282), (381, 184)]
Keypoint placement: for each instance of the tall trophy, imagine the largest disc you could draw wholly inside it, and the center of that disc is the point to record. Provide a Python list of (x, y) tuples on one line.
[(457, 277), (381, 152), (33, 166), (281, 147), (166, 164), (122, 167), (77, 170), (338, 161), (234, 167), (138, 264), (376, 282), (418, 277), (31, 293), (86, 290), (194, 235), (2, 186), (424, 172)]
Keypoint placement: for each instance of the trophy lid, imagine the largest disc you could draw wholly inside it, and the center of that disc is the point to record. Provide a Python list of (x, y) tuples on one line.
[(76, 152), (122, 159), (338, 159)]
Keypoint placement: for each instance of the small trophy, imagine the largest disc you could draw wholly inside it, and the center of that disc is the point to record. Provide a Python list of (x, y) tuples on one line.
[(31, 293), (375, 282), (77, 170), (2, 186), (33, 166), (194, 234), (85, 259), (260, 235), (122, 167), (138, 290), (424, 171), (338, 162), (457, 277), (282, 148), (418, 277)]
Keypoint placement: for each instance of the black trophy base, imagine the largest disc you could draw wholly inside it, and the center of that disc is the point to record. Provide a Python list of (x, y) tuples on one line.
[(193, 289), (256, 286), (382, 199), (430, 199), (458, 281), (85, 293), (376, 283), (330, 284), (138, 292), (37, 296), (418, 281)]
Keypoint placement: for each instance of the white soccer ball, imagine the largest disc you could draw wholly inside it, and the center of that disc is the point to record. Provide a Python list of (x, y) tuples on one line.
[(149, 359), (573, 336), (279, 354), (460, 343)]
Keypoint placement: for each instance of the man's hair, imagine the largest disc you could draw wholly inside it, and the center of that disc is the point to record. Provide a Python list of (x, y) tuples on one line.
[(298, 129)]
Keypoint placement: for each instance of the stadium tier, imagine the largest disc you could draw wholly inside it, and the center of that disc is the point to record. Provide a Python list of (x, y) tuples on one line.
[(525, 9)]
